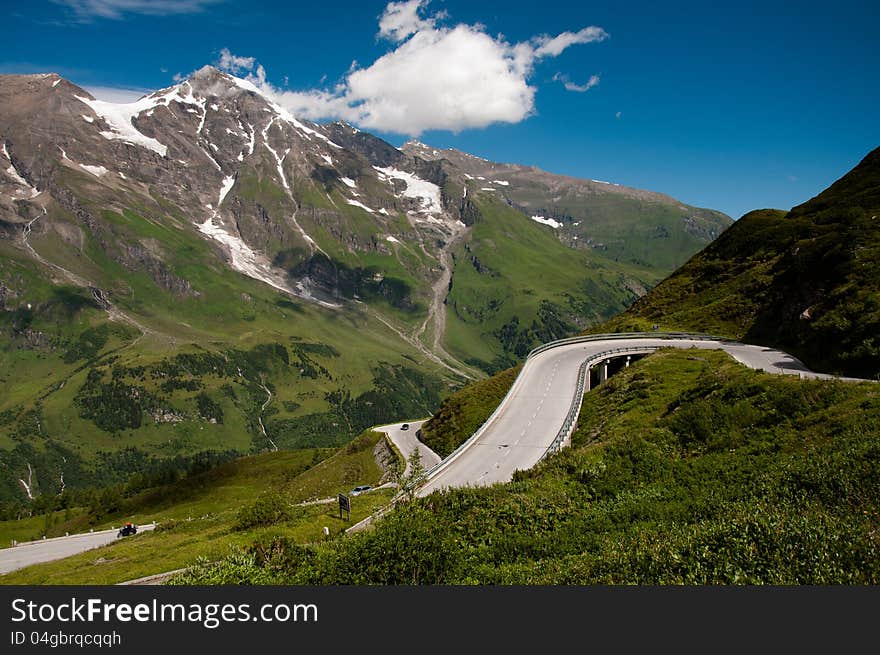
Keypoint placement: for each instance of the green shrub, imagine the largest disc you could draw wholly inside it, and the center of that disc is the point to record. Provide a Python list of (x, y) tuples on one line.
[(270, 508)]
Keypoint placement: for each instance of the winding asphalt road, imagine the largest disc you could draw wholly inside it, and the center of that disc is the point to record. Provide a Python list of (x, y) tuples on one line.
[(407, 443), (516, 436), (529, 418), (46, 550)]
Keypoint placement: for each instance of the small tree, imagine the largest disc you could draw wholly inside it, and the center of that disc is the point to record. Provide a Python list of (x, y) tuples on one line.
[(410, 481)]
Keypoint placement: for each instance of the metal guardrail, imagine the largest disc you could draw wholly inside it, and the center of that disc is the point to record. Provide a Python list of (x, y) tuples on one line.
[(543, 348), (577, 400), (573, 412), (625, 335)]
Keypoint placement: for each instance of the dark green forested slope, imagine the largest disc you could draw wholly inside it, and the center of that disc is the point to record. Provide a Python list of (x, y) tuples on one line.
[(807, 281)]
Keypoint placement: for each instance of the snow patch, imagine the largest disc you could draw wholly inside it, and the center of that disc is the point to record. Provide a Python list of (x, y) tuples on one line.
[(15, 176), (88, 119), (280, 111), (359, 204), (349, 182), (122, 175), (242, 258), (391, 240), (328, 159), (426, 192), (119, 116), (253, 138), (55, 83), (488, 188), (225, 187), (501, 182), (97, 171), (278, 159), (34, 192), (547, 221)]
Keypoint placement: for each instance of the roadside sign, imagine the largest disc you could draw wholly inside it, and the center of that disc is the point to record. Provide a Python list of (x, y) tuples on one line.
[(344, 505)]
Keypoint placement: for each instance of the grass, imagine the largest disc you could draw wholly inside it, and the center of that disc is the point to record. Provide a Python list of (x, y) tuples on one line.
[(684, 469), (31, 528), (182, 543), (806, 281), (639, 231), (509, 270), (465, 411), (217, 321), (200, 515)]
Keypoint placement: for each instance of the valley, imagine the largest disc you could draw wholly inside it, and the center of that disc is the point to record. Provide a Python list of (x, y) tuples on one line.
[(147, 247)]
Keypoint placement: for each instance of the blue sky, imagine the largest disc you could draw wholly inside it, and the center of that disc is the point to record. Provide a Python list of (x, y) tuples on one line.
[(734, 107)]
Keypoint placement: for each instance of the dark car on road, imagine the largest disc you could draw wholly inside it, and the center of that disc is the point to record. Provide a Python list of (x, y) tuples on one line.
[(405, 426), (127, 529)]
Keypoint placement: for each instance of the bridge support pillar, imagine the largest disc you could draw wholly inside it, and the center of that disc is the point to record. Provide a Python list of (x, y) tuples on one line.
[(628, 358), (603, 371)]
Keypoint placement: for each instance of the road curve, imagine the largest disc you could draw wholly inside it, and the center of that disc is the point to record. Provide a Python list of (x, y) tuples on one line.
[(46, 550), (534, 411), (407, 443)]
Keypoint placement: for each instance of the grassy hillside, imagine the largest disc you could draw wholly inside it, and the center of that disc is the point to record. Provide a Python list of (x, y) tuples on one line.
[(684, 469), (199, 374), (621, 228), (515, 286), (240, 502), (465, 411), (807, 281)]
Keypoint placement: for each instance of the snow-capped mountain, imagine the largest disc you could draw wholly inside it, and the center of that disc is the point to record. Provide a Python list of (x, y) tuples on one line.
[(324, 213), (212, 147)]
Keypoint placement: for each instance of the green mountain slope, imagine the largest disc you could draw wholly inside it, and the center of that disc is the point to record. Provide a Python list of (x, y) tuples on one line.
[(806, 281), (515, 286), (200, 274), (642, 228)]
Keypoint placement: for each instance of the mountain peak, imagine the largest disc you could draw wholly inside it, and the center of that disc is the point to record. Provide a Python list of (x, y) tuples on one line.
[(210, 81)]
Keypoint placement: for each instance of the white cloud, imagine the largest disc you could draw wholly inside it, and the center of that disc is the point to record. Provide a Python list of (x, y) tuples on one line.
[(577, 88), (618, 114), (234, 64), (116, 9), (436, 77), (401, 19), (553, 47)]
